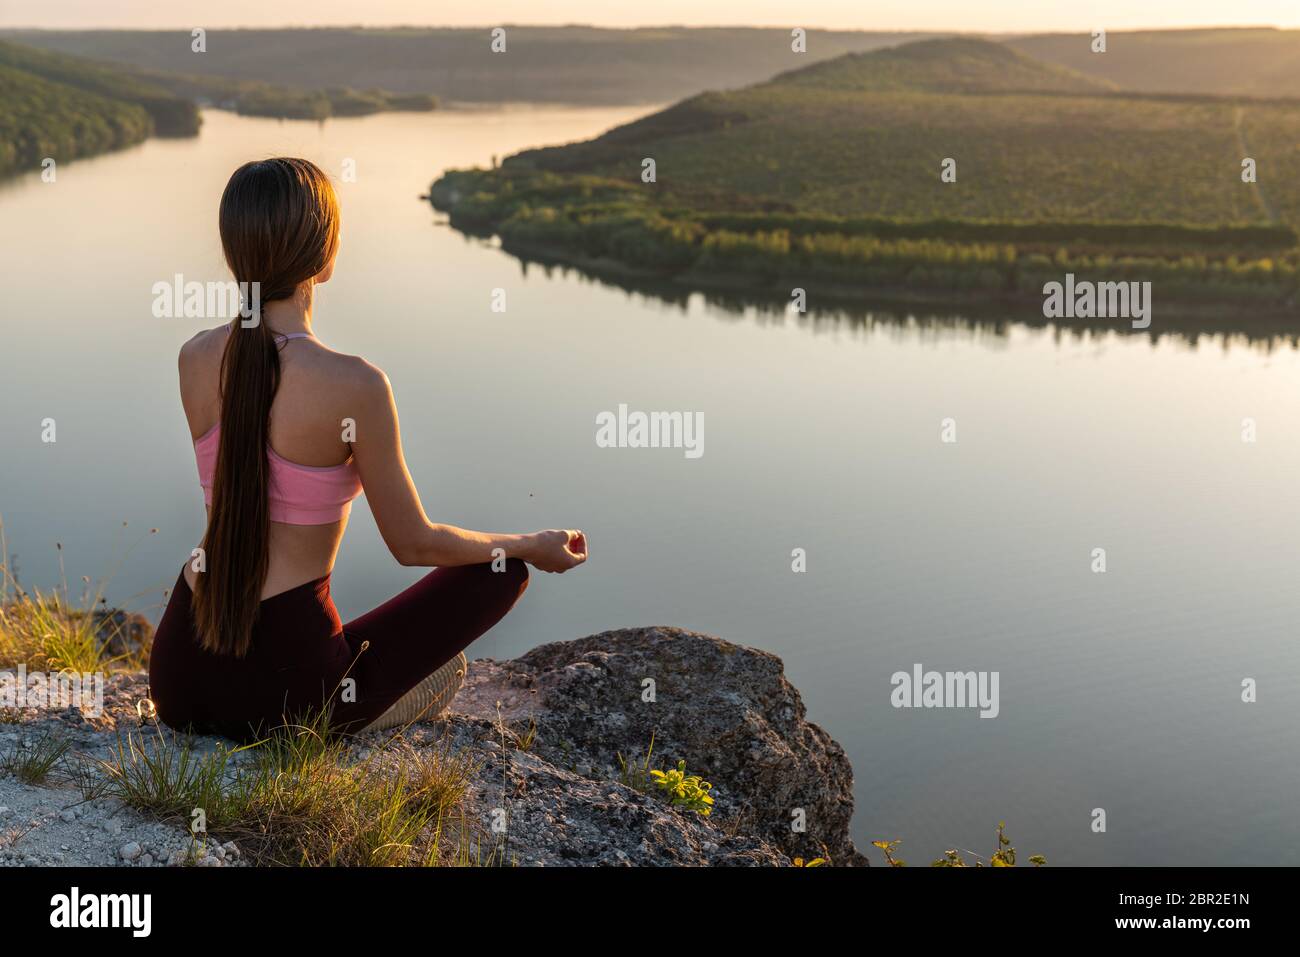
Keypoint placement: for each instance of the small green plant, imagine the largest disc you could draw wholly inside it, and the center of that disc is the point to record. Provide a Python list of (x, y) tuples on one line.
[(684, 790), (815, 862), (1004, 856), (888, 848)]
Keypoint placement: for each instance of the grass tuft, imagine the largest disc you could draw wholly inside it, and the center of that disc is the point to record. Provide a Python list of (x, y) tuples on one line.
[(300, 797), (34, 763)]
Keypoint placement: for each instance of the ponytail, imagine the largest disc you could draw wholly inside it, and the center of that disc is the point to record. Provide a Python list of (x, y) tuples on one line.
[(279, 229)]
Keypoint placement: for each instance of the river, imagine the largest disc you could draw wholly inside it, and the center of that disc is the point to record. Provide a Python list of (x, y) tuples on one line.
[(1119, 691)]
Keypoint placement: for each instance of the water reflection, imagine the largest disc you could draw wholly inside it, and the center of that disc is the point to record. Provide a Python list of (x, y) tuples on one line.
[(970, 319)]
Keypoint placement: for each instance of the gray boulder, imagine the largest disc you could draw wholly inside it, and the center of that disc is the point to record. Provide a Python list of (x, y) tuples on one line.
[(535, 813), (725, 709)]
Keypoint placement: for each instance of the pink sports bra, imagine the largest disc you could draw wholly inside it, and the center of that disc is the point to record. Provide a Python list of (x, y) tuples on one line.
[(298, 494)]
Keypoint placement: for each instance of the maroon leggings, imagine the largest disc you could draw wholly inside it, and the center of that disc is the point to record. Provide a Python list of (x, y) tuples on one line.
[(301, 652)]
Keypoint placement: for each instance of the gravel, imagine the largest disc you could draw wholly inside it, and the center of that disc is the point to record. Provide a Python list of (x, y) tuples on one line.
[(52, 825)]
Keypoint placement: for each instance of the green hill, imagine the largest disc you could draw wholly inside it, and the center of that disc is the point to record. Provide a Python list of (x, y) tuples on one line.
[(836, 170), (957, 65), (172, 115), (64, 107), (40, 119), (830, 139)]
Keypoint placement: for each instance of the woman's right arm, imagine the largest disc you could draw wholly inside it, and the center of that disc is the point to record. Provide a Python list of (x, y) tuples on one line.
[(395, 503)]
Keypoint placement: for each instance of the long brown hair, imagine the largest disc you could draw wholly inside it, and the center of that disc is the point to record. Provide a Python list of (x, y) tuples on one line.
[(279, 224)]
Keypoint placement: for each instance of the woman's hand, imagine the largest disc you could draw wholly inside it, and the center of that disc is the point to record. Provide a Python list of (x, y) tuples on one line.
[(556, 550)]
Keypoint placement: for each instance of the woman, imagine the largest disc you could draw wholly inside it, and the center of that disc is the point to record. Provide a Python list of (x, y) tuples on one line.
[(286, 434)]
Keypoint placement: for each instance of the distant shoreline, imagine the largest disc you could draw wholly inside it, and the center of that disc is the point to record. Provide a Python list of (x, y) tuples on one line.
[(1001, 276), (58, 107)]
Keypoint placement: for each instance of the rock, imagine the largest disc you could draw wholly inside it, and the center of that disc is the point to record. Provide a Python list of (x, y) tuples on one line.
[(123, 633), (547, 789), (727, 710), (553, 817)]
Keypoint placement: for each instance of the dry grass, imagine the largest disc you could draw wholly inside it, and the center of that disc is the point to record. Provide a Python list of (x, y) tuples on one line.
[(302, 797), (49, 631)]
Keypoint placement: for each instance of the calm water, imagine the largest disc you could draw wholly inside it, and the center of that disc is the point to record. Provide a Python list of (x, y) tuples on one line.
[(1119, 690)]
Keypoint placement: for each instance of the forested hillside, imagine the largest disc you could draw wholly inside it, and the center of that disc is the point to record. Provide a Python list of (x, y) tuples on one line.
[(64, 107), (42, 118), (942, 164)]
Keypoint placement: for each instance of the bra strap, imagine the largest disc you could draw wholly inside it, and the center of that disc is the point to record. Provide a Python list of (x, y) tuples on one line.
[(280, 337)]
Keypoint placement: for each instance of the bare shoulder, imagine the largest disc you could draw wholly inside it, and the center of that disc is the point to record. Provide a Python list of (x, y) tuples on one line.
[(200, 348), (352, 379), (352, 372), (200, 367)]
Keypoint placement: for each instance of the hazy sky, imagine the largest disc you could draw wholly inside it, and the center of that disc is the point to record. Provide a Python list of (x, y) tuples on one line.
[(973, 15)]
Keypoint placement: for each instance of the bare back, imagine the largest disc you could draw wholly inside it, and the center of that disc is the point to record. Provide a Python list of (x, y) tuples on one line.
[(319, 388)]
